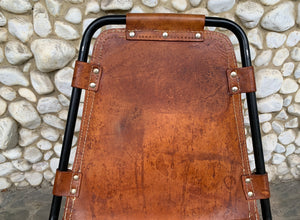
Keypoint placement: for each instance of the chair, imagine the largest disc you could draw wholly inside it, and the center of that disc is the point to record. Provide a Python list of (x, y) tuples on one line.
[(162, 133)]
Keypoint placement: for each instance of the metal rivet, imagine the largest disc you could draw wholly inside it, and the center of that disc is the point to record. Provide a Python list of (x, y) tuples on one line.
[(247, 180), (73, 191), (233, 74), (131, 34), (250, 194), (234, 89), (198, 35), (75, 177), (165, 34), (92, 85), (96, 70)]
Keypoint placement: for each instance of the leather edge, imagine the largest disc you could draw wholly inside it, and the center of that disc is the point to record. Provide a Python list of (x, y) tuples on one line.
[(62, 184), (256, 186)]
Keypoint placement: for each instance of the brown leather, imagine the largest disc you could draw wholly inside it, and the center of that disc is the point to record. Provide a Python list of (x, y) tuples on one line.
[(153, 26), (257, 185), (244, 81), (84, 75), (162, 138), (63, 186)]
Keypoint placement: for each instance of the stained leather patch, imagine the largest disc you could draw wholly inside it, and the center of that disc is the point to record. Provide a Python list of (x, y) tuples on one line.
[(256, 186), (166, 27), (86, 76), (241, 80), (67, 183)]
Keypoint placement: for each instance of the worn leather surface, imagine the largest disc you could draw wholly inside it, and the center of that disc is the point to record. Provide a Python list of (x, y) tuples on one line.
[(258, 184), (63, 186), (162, 138)]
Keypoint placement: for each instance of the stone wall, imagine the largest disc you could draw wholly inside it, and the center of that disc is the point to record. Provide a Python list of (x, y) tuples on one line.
[(39, 42)]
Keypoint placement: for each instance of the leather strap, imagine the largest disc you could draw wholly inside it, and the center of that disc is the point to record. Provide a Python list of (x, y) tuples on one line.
[(241, 80), (166, 27), (67, 183), (86, 76), (256, 186)]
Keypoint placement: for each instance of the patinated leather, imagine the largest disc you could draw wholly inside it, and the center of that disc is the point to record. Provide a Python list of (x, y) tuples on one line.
[(244, 80), (162, 138), (63, 186), (258, 184)]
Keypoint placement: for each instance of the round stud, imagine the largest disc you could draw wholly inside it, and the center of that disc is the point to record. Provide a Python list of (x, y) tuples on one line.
[(198, 35), (92, 85), (247, 180), (234, 89), (250, 194), (165, 34), (75, 177), (233, 74), (131, 34), (73, 191), (96, 71)]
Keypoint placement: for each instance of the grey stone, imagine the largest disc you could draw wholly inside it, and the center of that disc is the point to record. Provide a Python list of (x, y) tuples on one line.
[(50, 134), (34, 178), (4, 183), (6, 168), (8, 133), (12, 154), (32, 154), (48, 105), (21, 165), (54, 121)]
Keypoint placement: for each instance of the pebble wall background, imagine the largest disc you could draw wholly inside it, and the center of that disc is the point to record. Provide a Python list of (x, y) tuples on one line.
[(39, 42)]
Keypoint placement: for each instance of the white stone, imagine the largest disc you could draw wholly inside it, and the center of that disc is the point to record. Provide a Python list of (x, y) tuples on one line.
[(268, 82), (238, 54), (277, 127), (8, 93), (275, 40), (24, 113), (72, 155), (287, 101), (63, 100), (50, 134), (21, 165), (8, 133), (48, 155), (41, 166), (287, 69), (63, 114), (17, 177), (54, 164), (2, 20), (41, 22), (74, 15), (195, 3), (292, 123), (16, 6), (13, 154), (52, 54), (249, 145), (278, 159), (255, 38), (290, 149), (202, 11), (44, 144), (26, 67), (266, 127), (297, 97), (32, 154), (271, 170), (297, 151), (279, 148), (287, 137), (108, 5), (41, 82), (57, 149), (138, 9), (20, 28), (34, 178), (295, 171), (76, 1), (289, 86), (66, 31), (294, 109), (295, 54), (282, 116), (279, 19), (27, 94), (293, 160), (48, 175), (77, 125), (264, 58), (150, 3), (86, 23), (92, 7), (282, 169), (54, 121), (249, 13), (2, 158), (63, 79), (22, 184), (297, 140), (6, 168), (3, 106), (271, 103), (12, 76), (218, 6), (1, 55), (80, 110), (54, 6), (3, 35), (27, 137), (4, 184), (269, 142), (280, 56), (293, 38), (269, 2), (297, 72), (48, 105), (264, 117), (17, 53), (179, 5)]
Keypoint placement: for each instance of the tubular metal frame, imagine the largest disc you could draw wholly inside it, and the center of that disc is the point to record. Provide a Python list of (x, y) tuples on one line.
[(76, 93)]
